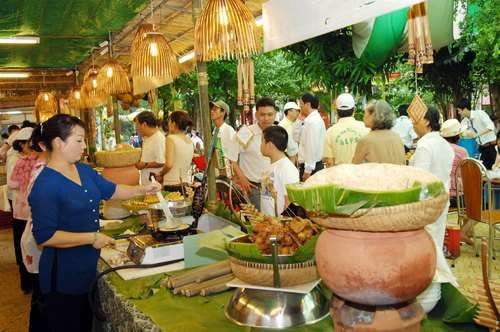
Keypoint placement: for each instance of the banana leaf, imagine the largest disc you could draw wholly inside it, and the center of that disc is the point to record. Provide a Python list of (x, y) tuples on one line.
[(247, 251)]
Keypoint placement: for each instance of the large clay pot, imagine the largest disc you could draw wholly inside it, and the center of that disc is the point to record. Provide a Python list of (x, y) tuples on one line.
[(376, 268), (122, 175)]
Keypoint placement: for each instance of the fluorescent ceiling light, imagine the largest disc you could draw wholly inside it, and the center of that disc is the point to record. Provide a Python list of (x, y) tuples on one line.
[(11, 112), (103, 51), (104, 43), (12, 74), (20, 40), (186, 57)]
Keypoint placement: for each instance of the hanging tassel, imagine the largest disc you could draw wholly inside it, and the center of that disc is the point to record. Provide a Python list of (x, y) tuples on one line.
[(420, 50)]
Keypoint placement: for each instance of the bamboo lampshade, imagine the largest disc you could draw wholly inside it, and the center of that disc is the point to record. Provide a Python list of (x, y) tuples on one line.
[(139, 36), (226, 29), (113, 79), (154, 58), (91, 93), (45, 105), (75, 99)]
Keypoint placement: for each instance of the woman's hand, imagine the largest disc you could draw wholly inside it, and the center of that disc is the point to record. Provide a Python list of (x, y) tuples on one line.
[(101, 240), (150, 189)]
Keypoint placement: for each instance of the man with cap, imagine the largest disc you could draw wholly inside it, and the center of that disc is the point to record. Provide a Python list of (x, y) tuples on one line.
[(291, 111), (153, 146), (219, 111), (312, 137), (484, 130), (341, 138)]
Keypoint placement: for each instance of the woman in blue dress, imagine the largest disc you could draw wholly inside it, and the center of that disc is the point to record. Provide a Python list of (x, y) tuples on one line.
[(65, 209)]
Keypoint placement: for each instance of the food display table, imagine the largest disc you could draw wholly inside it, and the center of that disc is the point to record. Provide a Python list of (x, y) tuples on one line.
[(144, 305)]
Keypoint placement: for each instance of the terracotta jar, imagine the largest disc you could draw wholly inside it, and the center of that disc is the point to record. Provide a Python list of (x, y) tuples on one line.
[(376, 268), (122, 175)]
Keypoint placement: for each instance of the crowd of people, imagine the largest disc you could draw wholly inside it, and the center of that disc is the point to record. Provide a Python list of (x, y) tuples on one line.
[(55, 197)]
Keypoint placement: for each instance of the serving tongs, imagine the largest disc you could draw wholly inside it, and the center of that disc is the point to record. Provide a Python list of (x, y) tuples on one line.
[(172, 222)]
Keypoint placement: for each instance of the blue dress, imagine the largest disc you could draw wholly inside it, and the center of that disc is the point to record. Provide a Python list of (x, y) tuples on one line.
[(57, 203)]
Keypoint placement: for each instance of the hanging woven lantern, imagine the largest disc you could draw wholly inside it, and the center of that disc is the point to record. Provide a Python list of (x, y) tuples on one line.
[(226, 29), (45, 105), (92, 93), (113, 79), (139, 36), (75, 99), (154, 58)]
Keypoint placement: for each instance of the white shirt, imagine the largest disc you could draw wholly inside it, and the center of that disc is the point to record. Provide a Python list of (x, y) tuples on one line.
[(251, 160), (404, 128), (480, 121), (278, 174), (197, 140), (288, 125), (311, 141), (153, 150), (435, 155), (227, 140)]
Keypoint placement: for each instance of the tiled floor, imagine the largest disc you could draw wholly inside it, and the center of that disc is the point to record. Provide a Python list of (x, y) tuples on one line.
[(14, 305)]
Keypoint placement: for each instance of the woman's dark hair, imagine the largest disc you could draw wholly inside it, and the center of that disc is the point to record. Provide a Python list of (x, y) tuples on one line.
[(60, 125), (432, 115), (403, 110), (36, 140), (453, 139), (276, 135), (181, 120), (18, 145), (28, 124), (148, 118), (5, 135)]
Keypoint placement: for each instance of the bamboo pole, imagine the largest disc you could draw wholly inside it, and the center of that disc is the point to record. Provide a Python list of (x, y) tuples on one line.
[(205, 113), (116, 120)]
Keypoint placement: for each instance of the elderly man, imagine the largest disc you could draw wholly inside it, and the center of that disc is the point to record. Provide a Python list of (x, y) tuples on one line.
[(246, 157), (341, 138), (219, 111), (312, 137), (153, 146), (484, 130)]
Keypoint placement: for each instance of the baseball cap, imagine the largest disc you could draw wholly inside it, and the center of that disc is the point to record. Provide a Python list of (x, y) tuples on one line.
[(451, 128), (220, 104), (291, 105), (345, 101)]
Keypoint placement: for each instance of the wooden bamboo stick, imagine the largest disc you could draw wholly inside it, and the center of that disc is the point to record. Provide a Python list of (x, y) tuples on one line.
[(193, 275), (214, 289), (196, 289)]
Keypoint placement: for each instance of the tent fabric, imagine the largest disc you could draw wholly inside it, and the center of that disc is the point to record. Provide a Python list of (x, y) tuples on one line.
[(68, 29)]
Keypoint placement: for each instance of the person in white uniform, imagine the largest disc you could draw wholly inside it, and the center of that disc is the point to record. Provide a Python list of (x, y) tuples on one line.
[(247, 160), (153, 146), (291, 110), (312, 137), (280, 172), (404, 128), (435, 155)]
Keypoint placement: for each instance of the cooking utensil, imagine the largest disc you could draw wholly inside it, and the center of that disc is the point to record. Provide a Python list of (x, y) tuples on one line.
[(171, 221)]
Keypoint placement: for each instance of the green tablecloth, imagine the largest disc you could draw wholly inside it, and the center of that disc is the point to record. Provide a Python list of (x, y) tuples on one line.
[(170, 312)]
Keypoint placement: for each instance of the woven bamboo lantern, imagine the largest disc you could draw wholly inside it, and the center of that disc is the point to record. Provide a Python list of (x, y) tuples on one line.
[(139, 36), (226, 29), (91, 93), (45, 105), (113, 79), (154, 58)]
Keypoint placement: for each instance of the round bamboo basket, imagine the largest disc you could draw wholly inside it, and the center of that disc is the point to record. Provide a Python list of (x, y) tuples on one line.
[(119, 158), (262, 274), (404, 217)]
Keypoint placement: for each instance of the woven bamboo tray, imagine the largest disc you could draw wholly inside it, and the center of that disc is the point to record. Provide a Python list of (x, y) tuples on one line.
[(262, 274), (404, 217)]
